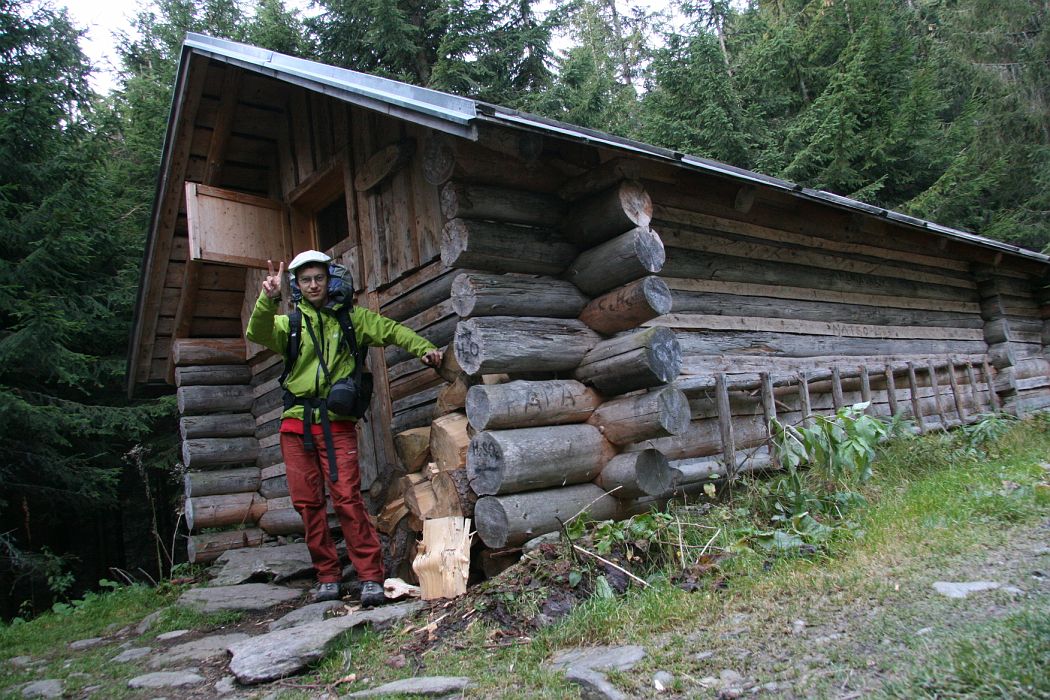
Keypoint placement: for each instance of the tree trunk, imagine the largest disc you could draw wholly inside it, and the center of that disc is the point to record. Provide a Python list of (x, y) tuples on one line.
[(449, 441), (657, 413), (638, 361), (224, 510), (599, 217), (198, 400), (628, 307), (211, 375), (504, 248), (413, 448), (217, 426), (634, 474), (208, 351), (512, 520), (508, 461), (463, 201), (201, 549), (215, 483), (205, 452), (452, 490), (523, 404), (511, 295), (508, 344), (631, 255)]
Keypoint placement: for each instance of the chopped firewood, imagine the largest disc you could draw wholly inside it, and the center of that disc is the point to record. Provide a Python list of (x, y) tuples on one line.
[(443, 562), (396, 588)]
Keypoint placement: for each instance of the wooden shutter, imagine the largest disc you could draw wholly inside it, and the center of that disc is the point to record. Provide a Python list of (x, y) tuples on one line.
[(236, 228)]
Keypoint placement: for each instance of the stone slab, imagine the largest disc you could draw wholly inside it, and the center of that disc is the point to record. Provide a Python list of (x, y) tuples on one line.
[(604, 658), (245, 596), (203, 649), (174, 634), (278, 563), (593, 684), (961, 589), (85, 643), (315, 612), (167, 679), (283, 652), (131, 654), (49, 688), (427, 686)]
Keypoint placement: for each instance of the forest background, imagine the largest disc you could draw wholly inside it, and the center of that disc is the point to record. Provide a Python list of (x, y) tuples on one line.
[(936, 108)]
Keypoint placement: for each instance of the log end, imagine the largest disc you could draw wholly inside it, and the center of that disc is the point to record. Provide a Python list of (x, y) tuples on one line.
[(665, 354), (467, 347), (490, 518), (484, 464), (649, 249), (674, 411), (453, 242), (657, 294)]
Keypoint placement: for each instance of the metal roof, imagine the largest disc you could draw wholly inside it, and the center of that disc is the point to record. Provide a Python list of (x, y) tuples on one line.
[(460, 115)]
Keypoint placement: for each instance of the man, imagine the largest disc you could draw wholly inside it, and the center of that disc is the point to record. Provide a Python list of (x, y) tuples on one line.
[(325, 356)]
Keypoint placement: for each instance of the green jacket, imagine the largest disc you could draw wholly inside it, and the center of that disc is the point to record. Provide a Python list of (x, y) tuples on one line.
[(307, 379)]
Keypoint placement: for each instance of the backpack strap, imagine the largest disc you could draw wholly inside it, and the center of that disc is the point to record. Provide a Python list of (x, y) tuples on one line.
[(295, 341), (360, 354)]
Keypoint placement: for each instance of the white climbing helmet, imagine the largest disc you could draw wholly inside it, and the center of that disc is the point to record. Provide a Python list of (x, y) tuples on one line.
[(308, 256)]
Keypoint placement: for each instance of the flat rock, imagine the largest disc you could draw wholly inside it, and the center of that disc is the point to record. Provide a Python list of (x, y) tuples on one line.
[(146, 623), (423, 685), (131, 654), (961, 589), (20, 661), (276, 563), (167, 679), (50, 688), (283, 652), (315, 612), (246, 596), (85, 643), (226, 685), (593, 684), (203, 649), (174, 634), (604, 658)]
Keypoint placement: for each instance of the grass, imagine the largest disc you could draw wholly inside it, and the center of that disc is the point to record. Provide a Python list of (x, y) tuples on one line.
[(936, 504)]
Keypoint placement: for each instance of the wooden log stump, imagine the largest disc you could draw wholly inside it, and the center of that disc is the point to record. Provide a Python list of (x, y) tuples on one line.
[(466, 201), (524, 404), (208, 351), (629, 256), (599, 217), (502, 248), (452, 490), (285, 521), (512, 520), (224, 510), (199, 400), (201, 549), (413, 448), (477, 294), (508, 344), (218, 482), (634, 474), (442, 562), (213, 375), (637, 361), (391, 515), (449, 441), (509, 461), (206, 452), (657, 413), (628, 307), (217, 426)]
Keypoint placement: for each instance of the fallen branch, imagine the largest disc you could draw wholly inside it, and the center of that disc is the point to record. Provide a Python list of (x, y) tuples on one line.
[(619, 568)]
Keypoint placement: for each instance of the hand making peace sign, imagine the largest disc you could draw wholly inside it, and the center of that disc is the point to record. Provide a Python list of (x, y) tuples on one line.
[(271, 285)]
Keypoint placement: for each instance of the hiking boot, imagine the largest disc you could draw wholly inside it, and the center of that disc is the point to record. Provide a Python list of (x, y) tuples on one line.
[(325, 592), (372, 594)]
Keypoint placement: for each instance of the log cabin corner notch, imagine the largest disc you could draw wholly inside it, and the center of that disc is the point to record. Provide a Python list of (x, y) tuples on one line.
[(661, 306)]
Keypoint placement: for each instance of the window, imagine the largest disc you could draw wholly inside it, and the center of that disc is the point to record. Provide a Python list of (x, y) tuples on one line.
[(330, 224)]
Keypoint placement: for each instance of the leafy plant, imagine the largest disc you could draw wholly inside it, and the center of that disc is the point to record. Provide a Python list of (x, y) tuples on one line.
[(988, 429)]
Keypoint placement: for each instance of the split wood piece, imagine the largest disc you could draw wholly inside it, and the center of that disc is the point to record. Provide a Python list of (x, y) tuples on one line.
[(395, 588), (523, 459), (208, 351), (453, 397), (211, 375), (512, 520), (503, 248), (391, 515), (452, 490), (509, 344), (218, 482), (525, 404), (384, 164), (206, 452), (960, 410), (634, 474), (697, 470), (628, 307), (413, 448), (201, 549), (449, 440), (465, 201), (993, 398), (406, 482), (916, 410), (198, 400), (223, 510), (891, 390), (477, 294), (216, 426), (629, 256), (442, 563), (422, 502), (725, 427), (601, 216), (657, 413), (931, 370), (648, 358)]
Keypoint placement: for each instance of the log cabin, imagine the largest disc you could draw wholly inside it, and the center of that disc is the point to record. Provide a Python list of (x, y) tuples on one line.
[(623, 320)]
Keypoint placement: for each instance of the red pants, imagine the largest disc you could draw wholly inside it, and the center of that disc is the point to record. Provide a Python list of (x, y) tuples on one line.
[(307, 473)]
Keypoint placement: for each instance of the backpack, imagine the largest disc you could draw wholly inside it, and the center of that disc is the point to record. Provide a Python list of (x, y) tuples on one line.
[(340, 285)]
